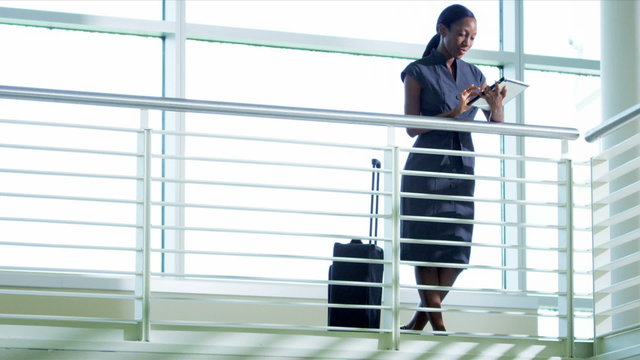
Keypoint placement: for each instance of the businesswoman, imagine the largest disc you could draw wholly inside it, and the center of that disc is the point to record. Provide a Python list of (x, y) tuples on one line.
[(441, 84)]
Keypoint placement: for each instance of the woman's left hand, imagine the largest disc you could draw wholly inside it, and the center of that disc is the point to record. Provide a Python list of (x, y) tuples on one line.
[(494, 98)]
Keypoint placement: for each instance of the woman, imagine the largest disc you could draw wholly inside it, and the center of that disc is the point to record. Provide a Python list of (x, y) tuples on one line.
[(441, 84)]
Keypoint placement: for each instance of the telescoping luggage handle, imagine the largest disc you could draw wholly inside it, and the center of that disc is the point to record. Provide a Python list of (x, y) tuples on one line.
[(375, 186)]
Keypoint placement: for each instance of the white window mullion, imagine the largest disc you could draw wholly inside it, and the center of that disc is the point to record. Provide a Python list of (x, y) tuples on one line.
[(174, 86), (513, 41)]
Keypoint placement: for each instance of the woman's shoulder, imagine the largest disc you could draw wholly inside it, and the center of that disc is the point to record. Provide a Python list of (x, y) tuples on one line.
[(418, 68)]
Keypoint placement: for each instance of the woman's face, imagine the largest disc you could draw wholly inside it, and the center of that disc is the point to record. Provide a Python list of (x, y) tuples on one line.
[(458, 39)]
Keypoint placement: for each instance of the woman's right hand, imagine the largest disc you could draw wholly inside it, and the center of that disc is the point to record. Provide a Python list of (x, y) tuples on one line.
[(465, 96)]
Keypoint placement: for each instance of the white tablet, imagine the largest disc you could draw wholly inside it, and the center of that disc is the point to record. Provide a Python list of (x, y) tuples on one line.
[(514, 88)]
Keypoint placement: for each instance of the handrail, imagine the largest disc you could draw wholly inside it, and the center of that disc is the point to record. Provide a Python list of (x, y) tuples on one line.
[(282, 112), (613, 123)]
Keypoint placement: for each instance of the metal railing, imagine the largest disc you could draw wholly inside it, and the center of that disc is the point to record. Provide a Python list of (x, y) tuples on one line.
[(616, 215), (238, 222)]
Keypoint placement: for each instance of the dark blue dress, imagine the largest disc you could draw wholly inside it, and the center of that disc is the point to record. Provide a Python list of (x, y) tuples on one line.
[(439, 94)]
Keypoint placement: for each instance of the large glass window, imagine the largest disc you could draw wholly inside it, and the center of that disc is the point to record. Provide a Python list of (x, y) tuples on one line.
[(562, 28), (60, 59), (136, 9), (91, 61), (572, 101), (399, 21), (83, 61)]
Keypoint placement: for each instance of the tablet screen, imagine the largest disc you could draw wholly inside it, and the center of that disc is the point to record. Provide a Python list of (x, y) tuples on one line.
[(514, 88)]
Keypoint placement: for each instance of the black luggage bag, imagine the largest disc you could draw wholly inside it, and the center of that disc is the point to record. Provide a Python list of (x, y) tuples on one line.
[(356, 271)]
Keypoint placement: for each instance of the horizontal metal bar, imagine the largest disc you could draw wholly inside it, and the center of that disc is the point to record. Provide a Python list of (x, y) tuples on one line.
[(619, 194), (265, 327), (486, 245), (619, 171), (487, 291), (67, 246), (72, 126), (69, 174), (613, 332), (613, 123), (268, 232), (477, 222), (275, 256), (479, 199), (67, 294), (70, 222), (634, 304), (609, 243), (267, 302), (485, 336), (271, 139), (50, 270), (67, 318), (270, 210), (619, 217), (478, 177), (480, 267), (72, 150), (71, 198), (620, 285), (607, 154), (273, 163), (617, 263), (434, 151), (267, 186), (270, 280), (481, 310), (213, 107)]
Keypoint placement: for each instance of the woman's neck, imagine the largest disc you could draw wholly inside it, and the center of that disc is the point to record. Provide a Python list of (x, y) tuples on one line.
[(449, 60)]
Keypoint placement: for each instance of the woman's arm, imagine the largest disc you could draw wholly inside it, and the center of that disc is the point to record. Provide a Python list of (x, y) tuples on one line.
[(412, 89)]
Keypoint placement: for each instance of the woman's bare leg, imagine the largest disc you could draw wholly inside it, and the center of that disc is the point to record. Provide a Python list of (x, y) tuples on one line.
[(420, 318), (443, 277), (432, 298)]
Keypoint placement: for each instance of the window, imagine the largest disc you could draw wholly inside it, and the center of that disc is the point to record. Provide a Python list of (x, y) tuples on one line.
[(566, 29), (60, 59), (94, 61), (135, 9), (399, 21)]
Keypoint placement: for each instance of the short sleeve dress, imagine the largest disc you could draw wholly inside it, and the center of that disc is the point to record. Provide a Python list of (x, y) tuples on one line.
[(439, 94)]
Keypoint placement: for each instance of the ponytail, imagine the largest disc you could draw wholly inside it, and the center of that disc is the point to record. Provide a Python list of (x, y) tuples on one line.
[(433, 44)]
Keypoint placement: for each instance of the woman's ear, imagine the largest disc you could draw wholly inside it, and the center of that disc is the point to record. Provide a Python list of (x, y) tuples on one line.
[(442, 30)]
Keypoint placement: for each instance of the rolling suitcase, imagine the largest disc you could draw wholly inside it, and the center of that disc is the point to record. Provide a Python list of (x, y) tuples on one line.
[(355, 271)]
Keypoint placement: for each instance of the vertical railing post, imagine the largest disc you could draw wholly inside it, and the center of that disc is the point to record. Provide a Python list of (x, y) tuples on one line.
[(143, 237), (391, 250), (396, 248), (565, 262)]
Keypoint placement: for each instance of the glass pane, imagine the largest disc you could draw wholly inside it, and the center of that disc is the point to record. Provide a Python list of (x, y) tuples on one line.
[(263, 75), (400, 21), (567, 100), (136, 9), (77, 60), (562, 28), (72, 60)]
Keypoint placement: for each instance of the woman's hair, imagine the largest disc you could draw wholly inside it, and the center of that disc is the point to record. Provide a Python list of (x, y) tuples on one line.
[(447, 17)]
